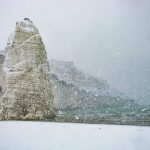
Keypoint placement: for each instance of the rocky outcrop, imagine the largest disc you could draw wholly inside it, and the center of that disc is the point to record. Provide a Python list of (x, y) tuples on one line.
[(2, 58), (28, 94)]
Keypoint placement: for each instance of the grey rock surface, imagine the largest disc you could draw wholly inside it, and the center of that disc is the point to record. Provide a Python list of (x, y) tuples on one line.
[(2, 58)]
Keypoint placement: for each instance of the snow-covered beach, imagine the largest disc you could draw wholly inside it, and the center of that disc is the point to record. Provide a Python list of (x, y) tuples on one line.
[(24, 135)]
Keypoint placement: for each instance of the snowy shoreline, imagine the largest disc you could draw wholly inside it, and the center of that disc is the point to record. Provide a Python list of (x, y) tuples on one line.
[(32, 135), (77, 122)]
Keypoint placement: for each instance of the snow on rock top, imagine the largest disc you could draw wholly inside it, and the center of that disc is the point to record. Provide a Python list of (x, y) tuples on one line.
[(26, 25)]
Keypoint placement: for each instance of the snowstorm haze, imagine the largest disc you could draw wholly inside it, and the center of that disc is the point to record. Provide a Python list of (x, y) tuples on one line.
[(109, 39)]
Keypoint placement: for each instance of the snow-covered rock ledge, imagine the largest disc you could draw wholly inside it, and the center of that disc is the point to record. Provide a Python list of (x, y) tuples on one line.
[(17, 135)]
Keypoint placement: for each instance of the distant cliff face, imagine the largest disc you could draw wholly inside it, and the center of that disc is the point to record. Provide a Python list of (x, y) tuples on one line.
[(2, 58), (73, 89), (28, 93)]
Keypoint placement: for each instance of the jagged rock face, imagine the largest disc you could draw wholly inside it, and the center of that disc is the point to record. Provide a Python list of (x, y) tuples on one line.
[(2, 58), (28, 92)]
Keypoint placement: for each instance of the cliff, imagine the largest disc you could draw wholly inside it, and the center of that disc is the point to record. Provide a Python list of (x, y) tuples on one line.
[(2, 58), (74, 89), (28, 93)]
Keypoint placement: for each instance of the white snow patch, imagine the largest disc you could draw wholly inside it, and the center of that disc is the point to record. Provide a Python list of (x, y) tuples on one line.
[(64, 136)]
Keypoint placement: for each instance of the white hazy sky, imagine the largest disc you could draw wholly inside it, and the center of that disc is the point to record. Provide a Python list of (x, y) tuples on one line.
[(106, 38)]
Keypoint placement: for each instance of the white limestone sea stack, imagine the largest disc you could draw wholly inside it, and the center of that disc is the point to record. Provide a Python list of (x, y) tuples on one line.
[(28, 93)]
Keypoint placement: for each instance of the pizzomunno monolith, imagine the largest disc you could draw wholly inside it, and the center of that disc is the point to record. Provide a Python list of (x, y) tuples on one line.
[(27, 87)]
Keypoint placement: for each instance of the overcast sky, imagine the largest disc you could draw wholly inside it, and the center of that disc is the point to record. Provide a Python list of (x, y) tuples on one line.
[(106, 38)]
